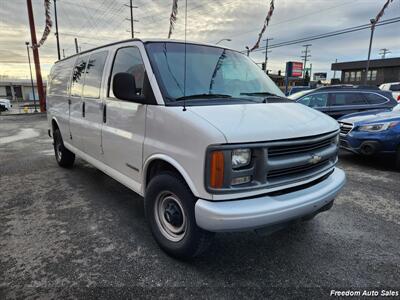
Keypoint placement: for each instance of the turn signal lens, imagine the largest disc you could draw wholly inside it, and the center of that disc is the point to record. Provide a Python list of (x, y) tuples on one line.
[(217, 169)]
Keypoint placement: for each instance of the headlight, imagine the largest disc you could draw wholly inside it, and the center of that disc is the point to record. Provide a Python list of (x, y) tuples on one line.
[(240, 158), (377, 127)]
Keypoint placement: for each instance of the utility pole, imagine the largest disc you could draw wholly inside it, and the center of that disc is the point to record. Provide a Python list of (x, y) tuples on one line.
[(334, 72), (76, 45), (373, 24), (30, 70), (36, 59), (266, 53), (384, 51), (56, 34), (306, 57), (131, 18)]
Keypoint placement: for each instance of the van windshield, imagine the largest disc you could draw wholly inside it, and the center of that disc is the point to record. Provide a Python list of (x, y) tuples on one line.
[(211, 73)]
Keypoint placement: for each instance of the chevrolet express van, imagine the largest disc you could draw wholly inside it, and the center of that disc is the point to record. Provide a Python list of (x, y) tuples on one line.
[(200, 132)]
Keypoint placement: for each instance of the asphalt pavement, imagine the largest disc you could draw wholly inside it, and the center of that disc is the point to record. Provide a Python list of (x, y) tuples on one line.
[(78, 233)]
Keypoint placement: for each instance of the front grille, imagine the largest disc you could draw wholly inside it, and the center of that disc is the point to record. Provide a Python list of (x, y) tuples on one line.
[(296, 160), (284, 150), (296, 169), (345, 128), (282, 164)]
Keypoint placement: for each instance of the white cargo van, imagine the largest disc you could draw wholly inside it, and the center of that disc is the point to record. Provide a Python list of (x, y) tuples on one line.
[(198, 130)]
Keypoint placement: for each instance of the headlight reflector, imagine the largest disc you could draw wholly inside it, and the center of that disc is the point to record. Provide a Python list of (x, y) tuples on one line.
[(240, 158)]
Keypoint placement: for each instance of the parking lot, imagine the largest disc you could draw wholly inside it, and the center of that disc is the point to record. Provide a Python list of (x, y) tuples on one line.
[(79, 231)]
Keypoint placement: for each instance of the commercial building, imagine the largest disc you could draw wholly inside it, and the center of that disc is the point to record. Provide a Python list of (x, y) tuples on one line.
[(380, 71), (18, 90)]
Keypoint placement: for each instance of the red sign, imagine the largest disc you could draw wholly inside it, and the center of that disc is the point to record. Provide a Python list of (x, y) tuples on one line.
[(297, 69)]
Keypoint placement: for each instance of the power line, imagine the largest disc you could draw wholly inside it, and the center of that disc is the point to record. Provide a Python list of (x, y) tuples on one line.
[(329, 34)]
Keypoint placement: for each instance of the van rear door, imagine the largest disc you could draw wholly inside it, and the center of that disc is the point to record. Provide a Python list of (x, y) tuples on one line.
[(92, 105), (75, 102)]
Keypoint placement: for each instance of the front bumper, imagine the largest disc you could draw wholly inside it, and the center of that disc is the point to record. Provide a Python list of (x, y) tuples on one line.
[(246, 214)]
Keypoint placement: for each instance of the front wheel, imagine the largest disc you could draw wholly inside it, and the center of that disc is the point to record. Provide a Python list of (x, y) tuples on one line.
[(169, 206), (398, 158)]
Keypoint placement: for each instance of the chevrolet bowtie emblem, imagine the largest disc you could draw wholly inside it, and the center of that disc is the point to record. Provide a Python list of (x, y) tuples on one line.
[(315, 159)]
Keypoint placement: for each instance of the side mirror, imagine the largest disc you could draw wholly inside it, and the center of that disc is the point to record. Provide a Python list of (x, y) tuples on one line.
[(124, 88)]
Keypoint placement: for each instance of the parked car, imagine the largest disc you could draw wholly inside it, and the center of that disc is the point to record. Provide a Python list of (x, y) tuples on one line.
[(6, 104), (337, 101), (372, 132), (297, 95), (393, 87), (296, 89), (215, 148)]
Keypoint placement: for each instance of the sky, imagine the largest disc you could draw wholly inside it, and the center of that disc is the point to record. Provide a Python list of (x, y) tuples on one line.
[(97, 22)]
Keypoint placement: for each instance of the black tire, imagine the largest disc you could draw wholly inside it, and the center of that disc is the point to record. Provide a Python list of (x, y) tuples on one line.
[(64, 157), (398, 158), (175, 230)]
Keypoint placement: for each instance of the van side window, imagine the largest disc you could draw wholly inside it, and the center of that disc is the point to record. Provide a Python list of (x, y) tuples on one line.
[(129, 60), (94, 74), (78, 76)]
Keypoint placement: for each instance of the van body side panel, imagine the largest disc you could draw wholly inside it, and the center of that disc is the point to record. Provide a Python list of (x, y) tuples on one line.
[(123, 136), (183, 136), (58, 94)]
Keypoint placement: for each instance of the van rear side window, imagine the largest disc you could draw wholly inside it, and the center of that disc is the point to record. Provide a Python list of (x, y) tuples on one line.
[(78, 76), (94, 75)]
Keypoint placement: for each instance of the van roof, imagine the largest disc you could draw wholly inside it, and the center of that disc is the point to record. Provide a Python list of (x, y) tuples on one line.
[(144, 41)]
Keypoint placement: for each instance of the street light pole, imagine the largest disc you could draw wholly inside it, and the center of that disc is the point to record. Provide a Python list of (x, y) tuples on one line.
[(228, 40), (373, 21), (30, 70), (56, 33)]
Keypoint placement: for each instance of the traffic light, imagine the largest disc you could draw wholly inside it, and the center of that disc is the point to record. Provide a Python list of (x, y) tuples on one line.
[(263, 66)]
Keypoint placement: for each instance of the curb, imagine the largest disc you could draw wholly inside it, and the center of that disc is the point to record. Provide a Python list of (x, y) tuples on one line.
[(23, 114)]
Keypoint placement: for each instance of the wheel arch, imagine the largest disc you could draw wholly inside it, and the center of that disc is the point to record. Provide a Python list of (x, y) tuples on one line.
[(160, 162)]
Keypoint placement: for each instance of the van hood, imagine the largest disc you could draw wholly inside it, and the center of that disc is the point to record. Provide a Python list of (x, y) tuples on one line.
[(245, 123)]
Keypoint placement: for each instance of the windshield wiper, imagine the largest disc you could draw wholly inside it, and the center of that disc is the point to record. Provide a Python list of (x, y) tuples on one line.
[(267, 96), (203, 96), (261, 94)]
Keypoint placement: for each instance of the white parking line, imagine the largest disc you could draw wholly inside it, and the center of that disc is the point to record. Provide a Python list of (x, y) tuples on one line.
[(25, 133)]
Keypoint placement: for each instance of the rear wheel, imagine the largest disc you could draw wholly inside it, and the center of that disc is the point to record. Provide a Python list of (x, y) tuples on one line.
[(169, 206), (64, 157), (398, 158)]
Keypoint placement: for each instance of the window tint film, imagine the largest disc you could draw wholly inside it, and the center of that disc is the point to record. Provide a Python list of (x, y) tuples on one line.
[(78, 76), (340, 99), (129, 60), (94, 74), (375, 98)]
